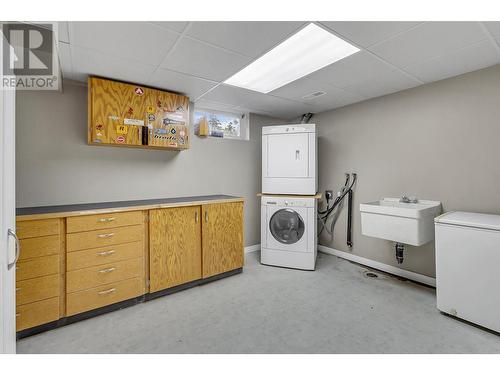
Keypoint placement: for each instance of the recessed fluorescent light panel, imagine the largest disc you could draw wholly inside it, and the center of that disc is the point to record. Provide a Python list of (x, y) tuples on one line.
[(310, 49)]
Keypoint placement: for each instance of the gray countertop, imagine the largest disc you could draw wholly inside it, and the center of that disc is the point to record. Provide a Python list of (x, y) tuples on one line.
[(111, 205)]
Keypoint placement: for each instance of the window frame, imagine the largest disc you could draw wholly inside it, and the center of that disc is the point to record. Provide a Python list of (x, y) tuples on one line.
[(244, 122)]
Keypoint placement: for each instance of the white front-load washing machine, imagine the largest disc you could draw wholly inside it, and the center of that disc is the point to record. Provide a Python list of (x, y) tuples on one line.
[(289, 159), (289, 231)]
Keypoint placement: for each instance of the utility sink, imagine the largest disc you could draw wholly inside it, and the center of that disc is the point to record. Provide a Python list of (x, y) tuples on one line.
[(401, 222)]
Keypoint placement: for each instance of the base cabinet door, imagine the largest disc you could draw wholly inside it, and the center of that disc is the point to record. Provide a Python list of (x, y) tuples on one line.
[(222, 237), (175, 246)]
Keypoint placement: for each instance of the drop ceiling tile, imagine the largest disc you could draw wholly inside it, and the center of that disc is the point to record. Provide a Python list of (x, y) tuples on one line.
[(91, 62), (232, 96), (367, 33), (138, 41), (248, 38), (177, 26), (427, 41), (477, 56), (208, 104), (198, 59), (333, 97), (257, 102), (179, 82), (493, 28), (362, 67), (383, 85)]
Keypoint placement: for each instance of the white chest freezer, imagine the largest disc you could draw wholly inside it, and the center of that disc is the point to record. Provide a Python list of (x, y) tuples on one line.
[(289, 159), (468, 267)]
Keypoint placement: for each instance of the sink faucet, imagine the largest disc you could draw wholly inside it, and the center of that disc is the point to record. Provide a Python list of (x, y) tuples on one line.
[(406, 199)]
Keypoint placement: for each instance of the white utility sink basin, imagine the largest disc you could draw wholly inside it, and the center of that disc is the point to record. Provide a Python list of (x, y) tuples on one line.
[(393, 220)]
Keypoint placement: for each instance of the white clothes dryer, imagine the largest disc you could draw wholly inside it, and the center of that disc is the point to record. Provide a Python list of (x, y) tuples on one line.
[(289, 159)]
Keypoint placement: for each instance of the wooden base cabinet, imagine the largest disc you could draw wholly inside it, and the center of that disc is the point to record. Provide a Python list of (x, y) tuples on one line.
[(39, 278), (192, 243), (174, 246), (222, 237), (80, 263)]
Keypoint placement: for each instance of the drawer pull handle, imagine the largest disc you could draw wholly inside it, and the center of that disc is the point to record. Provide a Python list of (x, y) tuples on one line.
[(18, 315), (105, 253), (196, 217), (107, 270), (107, 291), (206, 216), (106, 219), (18, 289), (107, 235)]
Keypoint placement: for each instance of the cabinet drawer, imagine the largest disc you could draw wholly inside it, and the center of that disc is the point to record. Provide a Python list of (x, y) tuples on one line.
[(104, 237), (39, 246), (103, 221), (103, 255), (105, 274), (37, 228), (104, 295), (32, 290), (36, 313), (37, 267)]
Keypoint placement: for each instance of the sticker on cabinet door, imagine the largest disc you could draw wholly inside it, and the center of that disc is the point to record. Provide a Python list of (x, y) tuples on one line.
[(150, 109), (130, 111), (131, 121), (139, 91), (151, 117), (121, 129), (120, 139), (169, 121), (115, 118)]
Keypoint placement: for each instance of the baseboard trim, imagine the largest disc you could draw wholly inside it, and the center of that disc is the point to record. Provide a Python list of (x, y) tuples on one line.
[(252, 248), (423, 279)]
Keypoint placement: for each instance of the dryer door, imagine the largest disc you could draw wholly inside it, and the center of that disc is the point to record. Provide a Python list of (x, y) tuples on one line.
[(288, 155), (287, 229)]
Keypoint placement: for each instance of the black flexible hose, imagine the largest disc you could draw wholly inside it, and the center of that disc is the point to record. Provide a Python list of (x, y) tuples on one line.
[(349, 219), (347, 178), (337, 201)]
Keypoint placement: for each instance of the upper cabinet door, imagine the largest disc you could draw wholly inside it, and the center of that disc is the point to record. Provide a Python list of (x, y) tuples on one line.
[(222, 237), (174, 246), (287, 155)]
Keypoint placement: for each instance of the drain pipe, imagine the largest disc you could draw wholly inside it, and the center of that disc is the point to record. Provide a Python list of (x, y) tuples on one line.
[(349, 218), (399, 247)]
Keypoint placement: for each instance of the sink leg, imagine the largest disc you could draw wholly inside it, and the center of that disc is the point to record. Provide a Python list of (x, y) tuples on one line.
[(399, 247)]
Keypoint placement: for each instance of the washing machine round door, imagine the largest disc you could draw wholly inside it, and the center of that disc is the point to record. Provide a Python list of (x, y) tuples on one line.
[(287, 226)]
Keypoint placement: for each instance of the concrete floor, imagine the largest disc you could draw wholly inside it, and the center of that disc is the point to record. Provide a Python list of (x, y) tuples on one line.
[(335, 309)]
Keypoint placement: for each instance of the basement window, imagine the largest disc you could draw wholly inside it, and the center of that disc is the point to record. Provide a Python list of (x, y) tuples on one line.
[(221, 124)]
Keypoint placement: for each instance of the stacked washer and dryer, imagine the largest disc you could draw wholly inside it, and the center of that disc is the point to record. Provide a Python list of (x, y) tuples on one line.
[(289, 200)]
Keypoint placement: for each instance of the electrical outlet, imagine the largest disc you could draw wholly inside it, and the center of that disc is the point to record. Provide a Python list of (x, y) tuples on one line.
[(329, 195)]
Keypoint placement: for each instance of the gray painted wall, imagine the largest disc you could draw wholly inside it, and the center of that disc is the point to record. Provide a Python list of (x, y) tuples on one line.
[(56, 166), (439, 142)]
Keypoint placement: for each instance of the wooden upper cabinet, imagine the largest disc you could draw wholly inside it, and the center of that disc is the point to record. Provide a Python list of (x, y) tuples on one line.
[(222, 237), (174, 246), (123, 114)]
